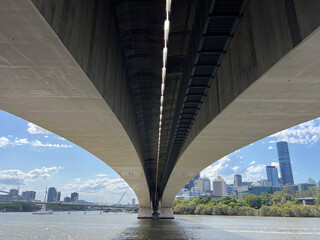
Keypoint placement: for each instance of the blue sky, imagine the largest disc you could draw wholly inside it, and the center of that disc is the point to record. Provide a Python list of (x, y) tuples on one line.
[(36, 159), (251, 161)]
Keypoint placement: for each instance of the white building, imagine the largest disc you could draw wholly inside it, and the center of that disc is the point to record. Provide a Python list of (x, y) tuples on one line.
[(219, 187), (184, 193), (203, 184)]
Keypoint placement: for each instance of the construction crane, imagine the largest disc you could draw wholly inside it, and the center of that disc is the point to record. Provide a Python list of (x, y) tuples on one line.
[(121, 197), (4, 191)]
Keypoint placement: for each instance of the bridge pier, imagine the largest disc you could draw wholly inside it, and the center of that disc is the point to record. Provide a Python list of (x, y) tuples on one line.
[(163, 213)]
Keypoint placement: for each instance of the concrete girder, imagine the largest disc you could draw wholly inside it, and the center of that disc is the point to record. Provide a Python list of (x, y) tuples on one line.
[(267, 82), (42, 83)]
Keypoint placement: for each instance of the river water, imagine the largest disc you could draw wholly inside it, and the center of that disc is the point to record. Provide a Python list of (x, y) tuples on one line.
[(93, 225)]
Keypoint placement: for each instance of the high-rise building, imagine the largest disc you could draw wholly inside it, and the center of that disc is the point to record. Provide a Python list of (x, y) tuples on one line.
[(58, 197), (67, 199), (237, 180), (272, 176), (14, 192), (52, 194), (263, 182), (74, 197), (190, 184), (29, 195), (304, 186), (285, 163), (133, 202), (311, 181), (219, 187), (203, 184), (229, 189), (194, 192)]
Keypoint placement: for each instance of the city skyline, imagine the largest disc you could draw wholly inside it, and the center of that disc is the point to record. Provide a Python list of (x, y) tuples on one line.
[(36, 159)]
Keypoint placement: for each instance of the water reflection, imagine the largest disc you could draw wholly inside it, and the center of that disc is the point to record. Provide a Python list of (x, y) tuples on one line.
[(175, 229)]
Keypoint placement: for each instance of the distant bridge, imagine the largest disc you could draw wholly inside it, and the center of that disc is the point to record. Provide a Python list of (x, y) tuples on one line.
[(90, 71)]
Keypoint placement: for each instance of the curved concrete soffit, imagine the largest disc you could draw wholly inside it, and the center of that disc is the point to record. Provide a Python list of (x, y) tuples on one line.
[(284, 96), (42, 83)]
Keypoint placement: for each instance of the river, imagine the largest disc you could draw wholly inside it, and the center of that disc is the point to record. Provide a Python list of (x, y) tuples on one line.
[(92, 225)]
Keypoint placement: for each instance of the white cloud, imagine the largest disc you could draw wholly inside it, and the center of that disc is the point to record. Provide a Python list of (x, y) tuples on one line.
[(270, 147), (276, 164), (232, 164), (235, 168), (254, 172), (21, 141), (305, 133), (4, 141), (15, 176), (38, 143), (106, 189), (102, 175), (34, 129), (226, 167)]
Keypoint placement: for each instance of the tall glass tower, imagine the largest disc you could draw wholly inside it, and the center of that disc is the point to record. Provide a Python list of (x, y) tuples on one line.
[(285, 163), (272, 176)]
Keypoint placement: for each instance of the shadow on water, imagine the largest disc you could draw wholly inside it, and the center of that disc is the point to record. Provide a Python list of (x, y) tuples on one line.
[(175, 229)]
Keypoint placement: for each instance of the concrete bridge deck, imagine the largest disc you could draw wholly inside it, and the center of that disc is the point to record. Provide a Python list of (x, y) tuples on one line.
[(90, 71)]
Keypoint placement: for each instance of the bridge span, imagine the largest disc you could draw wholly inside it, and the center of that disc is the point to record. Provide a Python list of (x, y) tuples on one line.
[(90, 71)]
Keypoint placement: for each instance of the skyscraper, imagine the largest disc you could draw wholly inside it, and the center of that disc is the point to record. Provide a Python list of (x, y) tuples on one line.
[(219, 187), (74, 197), (285, 163), (203, 184), (237, 180), (52, 194), (58, 196), (272, 176), (14, 192), (29, 195)]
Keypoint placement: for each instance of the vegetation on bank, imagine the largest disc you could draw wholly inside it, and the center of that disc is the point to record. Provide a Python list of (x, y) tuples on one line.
[(31, 207), (18, 207), (67, 207), (279, 204)]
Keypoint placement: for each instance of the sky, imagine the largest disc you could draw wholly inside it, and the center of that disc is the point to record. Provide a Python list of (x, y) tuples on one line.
[(35, 159)]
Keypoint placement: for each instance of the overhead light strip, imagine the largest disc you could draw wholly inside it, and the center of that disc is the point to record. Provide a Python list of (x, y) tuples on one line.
[(163, 84)]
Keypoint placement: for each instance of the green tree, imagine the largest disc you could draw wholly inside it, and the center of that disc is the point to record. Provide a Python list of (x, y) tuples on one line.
[(253, 201)]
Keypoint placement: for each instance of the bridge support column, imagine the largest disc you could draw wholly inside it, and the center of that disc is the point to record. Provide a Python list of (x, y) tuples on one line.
[(164, 213), (145, 213)]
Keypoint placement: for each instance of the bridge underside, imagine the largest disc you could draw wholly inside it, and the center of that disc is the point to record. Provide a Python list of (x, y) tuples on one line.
[(237, 71)]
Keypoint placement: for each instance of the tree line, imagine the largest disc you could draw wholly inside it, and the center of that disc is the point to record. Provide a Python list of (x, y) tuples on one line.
[(280, 204), (31, 207)]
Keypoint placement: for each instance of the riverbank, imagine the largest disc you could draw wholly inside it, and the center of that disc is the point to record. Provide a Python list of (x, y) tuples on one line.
[(31, 207), (280, 204)]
